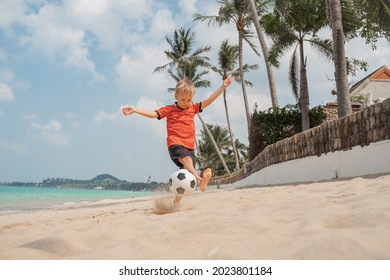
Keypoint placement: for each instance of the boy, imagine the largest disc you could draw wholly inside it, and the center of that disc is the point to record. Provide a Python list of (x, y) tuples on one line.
[(181, 127)]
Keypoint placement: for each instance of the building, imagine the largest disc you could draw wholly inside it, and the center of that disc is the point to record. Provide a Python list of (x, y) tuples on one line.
[(373, 88)]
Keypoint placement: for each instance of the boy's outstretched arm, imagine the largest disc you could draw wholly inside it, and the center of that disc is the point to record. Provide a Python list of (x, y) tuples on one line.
[(132, 109), (215, 95)]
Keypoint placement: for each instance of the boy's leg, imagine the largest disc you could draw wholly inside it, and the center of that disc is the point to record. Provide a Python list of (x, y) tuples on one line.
[(185, 158), (189, 165), (202, 182)]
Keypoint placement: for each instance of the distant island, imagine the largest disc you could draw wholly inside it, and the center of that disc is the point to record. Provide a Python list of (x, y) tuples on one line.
[(100, 182)]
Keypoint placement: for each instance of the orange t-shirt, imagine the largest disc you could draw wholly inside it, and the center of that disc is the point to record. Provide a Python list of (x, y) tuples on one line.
[(180, 124)]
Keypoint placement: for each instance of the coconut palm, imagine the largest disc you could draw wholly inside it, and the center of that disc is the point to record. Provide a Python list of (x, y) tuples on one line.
[(243, 152), (227, 60), (192, 74), (221, 137), (291, 26), (260, 34), (180, 55), (237, 12), (372, 18), (341, 74)]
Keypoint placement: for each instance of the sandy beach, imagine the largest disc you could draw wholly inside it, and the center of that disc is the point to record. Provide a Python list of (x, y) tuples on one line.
[(339, 219)]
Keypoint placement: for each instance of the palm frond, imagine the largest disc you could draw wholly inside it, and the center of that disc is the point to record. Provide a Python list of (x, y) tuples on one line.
[(248, 35), (349, 19), (294, 75), (280, 46), (210, 20), (246, 68), (323, 46)]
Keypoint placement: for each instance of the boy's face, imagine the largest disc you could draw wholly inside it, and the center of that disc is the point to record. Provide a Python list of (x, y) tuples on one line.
[(184, 99)]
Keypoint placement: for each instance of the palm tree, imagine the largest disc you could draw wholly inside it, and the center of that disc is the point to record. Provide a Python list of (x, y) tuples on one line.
[(290, 26), (180, 55), (237, 12), (372, 18), (221, 137), (227, 60), (341, 74), (185, 65), (264, 48), (192, 74), (243, 152)]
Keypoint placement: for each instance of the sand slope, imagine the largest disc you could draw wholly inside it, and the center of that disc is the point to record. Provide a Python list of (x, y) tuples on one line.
[(345, 219)]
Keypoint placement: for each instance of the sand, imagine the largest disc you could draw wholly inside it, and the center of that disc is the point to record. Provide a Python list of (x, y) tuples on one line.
[(340, 219)]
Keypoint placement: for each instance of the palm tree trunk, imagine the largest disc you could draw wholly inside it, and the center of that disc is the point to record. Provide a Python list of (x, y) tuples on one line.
[(214, 144), (199, 154), (264, 48), (341, 75), (240, 61), (304, 91), (231, 133)]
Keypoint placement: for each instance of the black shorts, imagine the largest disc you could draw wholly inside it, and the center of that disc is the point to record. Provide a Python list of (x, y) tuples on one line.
[(176, 152)]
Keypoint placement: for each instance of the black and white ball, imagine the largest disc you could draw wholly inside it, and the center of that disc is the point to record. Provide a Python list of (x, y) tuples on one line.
[(182, 182)]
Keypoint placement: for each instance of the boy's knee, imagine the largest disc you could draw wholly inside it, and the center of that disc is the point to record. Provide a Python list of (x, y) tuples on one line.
[(185, 159)]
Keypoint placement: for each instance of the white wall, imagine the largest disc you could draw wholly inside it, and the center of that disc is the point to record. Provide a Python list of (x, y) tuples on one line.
[(359, 161)]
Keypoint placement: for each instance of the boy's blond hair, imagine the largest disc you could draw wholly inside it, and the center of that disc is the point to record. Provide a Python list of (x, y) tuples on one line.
[(185, 86)]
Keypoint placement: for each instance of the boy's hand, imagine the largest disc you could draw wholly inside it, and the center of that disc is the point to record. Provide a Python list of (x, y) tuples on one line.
[(227, 82), (128, 110)]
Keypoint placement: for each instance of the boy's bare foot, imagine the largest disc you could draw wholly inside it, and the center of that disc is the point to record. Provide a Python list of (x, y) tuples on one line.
[(205, 180)]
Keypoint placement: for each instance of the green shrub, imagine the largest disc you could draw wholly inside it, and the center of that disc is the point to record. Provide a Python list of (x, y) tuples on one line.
[(270, 126)]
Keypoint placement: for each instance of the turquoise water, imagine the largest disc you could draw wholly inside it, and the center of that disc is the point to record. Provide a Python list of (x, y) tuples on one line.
[(14, 199)]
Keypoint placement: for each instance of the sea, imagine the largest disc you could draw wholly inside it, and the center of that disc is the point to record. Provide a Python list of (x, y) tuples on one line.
[(18, 198)]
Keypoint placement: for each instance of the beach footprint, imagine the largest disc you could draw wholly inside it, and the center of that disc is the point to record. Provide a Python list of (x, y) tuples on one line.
[(54, 245), (164, 206)]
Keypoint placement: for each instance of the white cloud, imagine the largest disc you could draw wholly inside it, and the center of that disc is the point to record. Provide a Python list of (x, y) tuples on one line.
[(188, 7), (135, 73), (7, 77), (52, 125), (12, 146), (162, 23), (51, 131), (10, 12), (103, 116), (32, 117), (53, 33), (149, 104), (6, 93), (146, 125), (54, 138), (73, 117), (116, 24)]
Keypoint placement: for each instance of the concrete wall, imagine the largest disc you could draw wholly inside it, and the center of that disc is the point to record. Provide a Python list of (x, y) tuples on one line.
[(358, 161)]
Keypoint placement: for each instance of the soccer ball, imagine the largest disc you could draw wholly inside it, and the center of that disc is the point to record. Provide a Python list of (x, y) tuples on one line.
[(182, 182)]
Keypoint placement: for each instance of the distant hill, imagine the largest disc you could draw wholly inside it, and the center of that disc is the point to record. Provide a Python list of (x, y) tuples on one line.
[(102, 181), (105, 178)]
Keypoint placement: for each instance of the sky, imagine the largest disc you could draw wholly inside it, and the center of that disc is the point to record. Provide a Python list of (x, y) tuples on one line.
[(67, 67)]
